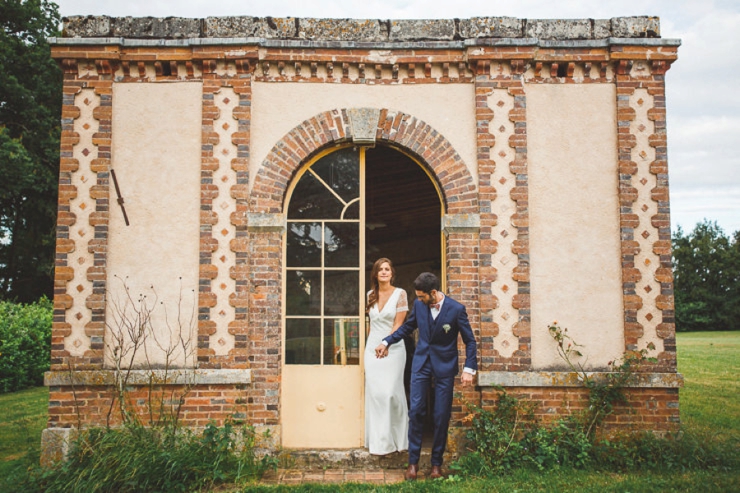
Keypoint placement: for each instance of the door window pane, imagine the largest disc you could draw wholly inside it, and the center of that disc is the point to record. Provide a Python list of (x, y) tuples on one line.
[(304, 245), (341, 292), (303, 292), (322, 291), (303, 341), (341, 341), (342, 244), (312, 200), (340, 170), (352, 211)]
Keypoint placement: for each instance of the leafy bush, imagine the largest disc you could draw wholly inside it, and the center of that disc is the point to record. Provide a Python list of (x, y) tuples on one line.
[(25, 344), (157, 459), (509, 437)]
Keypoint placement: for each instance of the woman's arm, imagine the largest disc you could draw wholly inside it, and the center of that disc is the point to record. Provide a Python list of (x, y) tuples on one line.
[(400, 318)]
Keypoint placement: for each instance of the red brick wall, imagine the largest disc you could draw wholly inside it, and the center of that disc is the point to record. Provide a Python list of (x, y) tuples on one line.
[(646, 409), (70, 407), (258, 269)]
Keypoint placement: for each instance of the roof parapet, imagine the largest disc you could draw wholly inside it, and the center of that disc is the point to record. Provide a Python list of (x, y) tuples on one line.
[(359, 30)]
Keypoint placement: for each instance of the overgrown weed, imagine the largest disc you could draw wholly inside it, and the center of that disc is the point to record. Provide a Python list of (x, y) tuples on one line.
[(135, 458)]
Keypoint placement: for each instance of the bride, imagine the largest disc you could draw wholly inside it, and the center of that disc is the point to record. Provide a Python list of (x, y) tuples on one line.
[(386, 411)]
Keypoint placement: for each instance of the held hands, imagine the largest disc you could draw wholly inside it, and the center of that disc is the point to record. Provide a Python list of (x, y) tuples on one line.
[(381, 351), (466, 378)]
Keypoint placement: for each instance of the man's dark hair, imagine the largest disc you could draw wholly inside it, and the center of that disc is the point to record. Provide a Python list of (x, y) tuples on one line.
[(426, 282)]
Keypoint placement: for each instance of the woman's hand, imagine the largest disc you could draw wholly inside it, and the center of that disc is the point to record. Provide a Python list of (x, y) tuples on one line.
[(381, 351)]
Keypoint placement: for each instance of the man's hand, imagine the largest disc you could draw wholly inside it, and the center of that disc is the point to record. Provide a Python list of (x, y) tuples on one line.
[(466, 378), (381, 351)]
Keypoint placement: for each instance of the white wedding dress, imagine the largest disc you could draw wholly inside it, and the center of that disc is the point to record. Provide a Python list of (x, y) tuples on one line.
[(386, 411)]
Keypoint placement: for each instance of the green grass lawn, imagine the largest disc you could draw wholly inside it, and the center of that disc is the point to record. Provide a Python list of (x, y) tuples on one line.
[(22, 417), (710, 403), (710, 398)]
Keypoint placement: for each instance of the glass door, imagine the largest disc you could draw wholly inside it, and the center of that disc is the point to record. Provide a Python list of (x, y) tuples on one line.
[(322, 379)]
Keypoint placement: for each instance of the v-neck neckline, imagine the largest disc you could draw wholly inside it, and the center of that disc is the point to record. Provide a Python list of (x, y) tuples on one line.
[(380, 310)]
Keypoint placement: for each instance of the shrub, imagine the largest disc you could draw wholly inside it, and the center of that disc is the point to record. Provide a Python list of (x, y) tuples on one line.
[(510, 437), (25, 344)]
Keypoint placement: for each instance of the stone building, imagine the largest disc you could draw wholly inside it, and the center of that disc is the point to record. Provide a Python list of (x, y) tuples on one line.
[(226, 184)]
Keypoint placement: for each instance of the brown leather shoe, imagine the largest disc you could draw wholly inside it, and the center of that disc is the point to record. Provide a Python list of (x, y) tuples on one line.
[(436, 472), (412, 472)]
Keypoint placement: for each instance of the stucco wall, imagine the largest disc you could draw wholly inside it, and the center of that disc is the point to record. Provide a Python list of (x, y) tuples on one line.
[(574, 221), (156, 156), (278, 107)]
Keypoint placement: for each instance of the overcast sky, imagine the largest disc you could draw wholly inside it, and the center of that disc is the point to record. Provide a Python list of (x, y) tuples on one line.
[(703, 86)]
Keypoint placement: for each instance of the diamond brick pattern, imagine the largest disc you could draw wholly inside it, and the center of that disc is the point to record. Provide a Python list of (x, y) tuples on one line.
[(82, 206), (646, 261), (501, 103), (221, 340)]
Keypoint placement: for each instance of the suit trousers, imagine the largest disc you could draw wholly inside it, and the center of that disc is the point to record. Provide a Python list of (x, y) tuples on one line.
[(421, 381)]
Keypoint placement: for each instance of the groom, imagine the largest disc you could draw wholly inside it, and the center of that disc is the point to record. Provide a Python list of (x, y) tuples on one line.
[(439, 319)]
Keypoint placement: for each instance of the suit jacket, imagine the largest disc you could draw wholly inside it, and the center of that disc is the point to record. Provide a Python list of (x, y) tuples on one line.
[(436, 344)]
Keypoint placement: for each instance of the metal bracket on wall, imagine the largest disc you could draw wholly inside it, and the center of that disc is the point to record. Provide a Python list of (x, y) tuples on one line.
[(118, 193)]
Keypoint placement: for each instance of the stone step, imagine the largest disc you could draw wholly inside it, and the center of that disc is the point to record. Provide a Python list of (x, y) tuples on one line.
[(346, 459)]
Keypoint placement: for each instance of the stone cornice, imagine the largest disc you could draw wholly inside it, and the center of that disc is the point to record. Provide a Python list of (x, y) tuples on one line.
[(570, 379), (379, 45)]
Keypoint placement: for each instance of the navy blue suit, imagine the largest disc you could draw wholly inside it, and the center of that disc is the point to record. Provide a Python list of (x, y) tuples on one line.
[(435, 357)]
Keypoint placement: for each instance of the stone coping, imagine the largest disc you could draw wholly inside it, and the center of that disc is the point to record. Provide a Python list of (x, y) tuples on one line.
[(364, 30), (145, 377), (431, 45), (570, 379)]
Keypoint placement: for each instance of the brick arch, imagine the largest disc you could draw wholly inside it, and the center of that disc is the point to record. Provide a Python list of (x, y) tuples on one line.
[(393, 127)]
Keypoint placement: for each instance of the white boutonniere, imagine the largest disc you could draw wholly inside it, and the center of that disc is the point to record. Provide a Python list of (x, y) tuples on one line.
[(446, 328)]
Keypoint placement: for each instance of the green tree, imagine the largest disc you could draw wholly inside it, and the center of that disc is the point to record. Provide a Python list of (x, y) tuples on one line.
[(706, 270), (30, 107)]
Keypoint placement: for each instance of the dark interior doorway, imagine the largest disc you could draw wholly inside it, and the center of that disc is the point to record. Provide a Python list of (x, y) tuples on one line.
[(403, 223), (402, 216)]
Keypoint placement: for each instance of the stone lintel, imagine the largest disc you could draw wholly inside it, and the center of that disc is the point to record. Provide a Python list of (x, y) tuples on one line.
[(461, 223), (145, 377), (363, 124), (265, 221), (570, 379)]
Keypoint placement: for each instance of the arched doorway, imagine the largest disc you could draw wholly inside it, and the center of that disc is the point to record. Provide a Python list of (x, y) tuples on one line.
[(403, 212), (346, 207)]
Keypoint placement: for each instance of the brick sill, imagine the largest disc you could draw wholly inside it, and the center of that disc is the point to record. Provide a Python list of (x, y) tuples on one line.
[(145, 377)]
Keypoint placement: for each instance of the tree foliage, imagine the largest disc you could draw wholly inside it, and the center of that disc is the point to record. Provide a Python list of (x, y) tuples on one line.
[(25, 343), (706, 270), (30, 106)]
